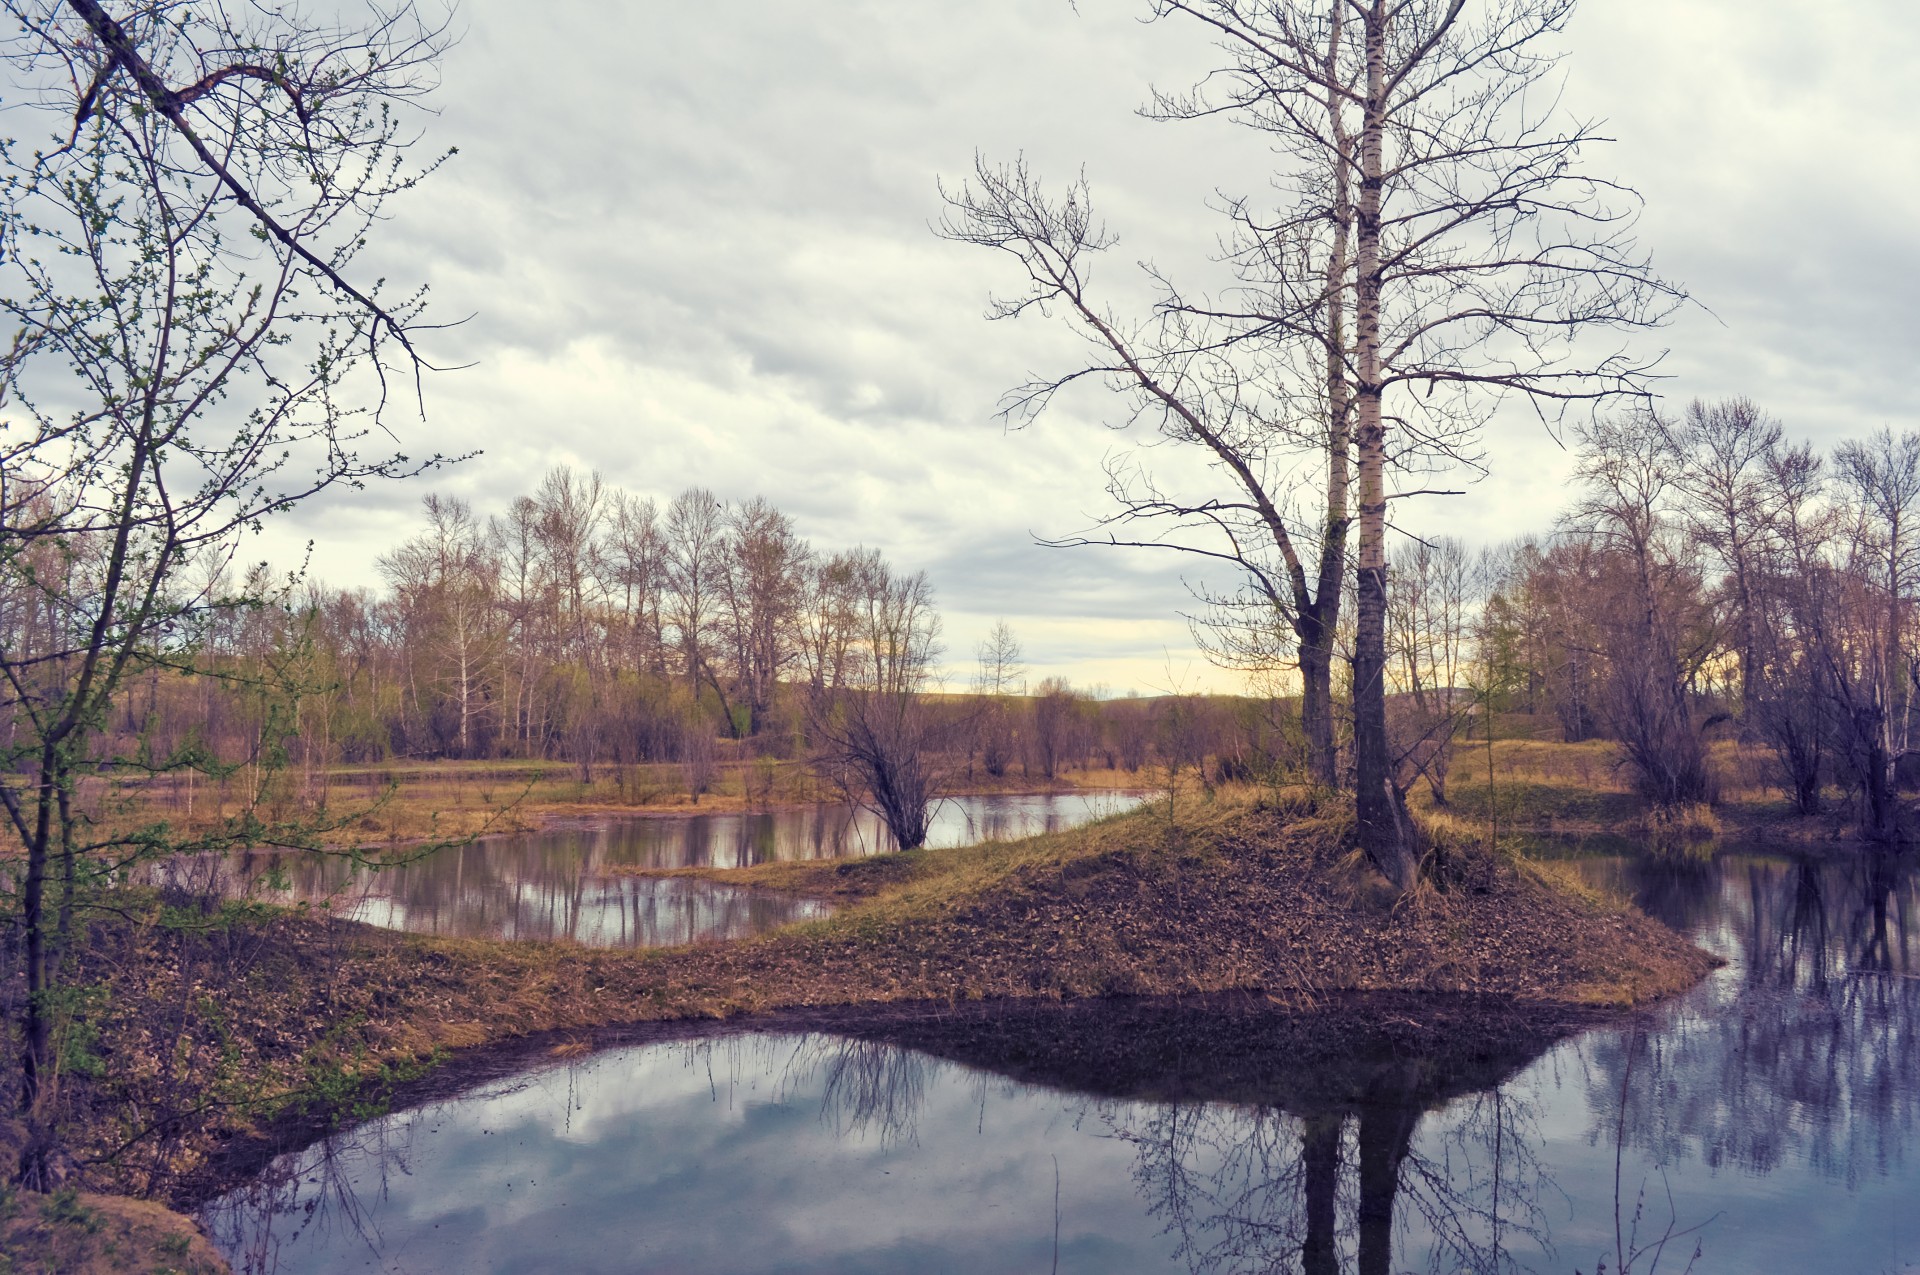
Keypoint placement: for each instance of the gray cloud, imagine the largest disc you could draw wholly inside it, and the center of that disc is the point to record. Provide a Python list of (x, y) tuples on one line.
[(696, 250)]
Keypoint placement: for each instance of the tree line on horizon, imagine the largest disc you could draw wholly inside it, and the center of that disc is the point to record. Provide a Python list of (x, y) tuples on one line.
[(1709, 577), (592, 626)]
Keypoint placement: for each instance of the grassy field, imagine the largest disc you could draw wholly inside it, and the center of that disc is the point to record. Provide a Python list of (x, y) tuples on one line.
[(1530, 788), (410, 803)]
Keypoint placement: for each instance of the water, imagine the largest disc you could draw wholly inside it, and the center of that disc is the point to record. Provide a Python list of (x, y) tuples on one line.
[(562, 884), (1764, 1122)]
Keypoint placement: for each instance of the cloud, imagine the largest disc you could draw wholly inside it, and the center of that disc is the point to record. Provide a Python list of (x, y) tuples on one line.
[(698, 252)]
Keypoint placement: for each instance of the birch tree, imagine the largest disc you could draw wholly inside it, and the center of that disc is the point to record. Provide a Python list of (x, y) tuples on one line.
[(1483, 263)]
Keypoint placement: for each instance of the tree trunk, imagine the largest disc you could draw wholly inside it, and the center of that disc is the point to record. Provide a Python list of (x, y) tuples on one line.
[(1320, 622), (1316, 707), (1320, 1166), (1383, 830), (1386, 1132)]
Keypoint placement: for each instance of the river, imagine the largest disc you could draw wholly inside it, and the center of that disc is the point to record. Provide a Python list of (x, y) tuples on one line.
[(566, 882), (1763, 1122)]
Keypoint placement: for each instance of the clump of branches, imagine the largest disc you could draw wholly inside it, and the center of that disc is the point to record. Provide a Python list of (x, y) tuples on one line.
[(878, 739)]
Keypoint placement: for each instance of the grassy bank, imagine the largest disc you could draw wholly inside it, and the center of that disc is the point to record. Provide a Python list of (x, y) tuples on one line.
[(1530, 788), (211, 1024), (76, 1233)]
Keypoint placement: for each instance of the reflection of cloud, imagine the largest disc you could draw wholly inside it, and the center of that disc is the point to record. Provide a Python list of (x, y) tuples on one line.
[(716, 1160)]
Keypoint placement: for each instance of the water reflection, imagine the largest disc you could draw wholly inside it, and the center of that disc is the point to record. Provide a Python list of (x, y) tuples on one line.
[(561, 883), (815, 1152), (1759, 1124), (1804, 1049)]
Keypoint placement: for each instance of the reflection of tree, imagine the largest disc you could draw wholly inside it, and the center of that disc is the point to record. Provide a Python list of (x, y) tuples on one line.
[(1810, 1046), (1257, 1188), (322, 1187), (873, 1087), (1263, 1139), (550, 889), (1246, 1121)]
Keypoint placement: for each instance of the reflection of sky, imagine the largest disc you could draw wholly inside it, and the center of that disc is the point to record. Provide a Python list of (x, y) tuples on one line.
[(666, 1158), (1767, 1124), (601, 912), (737, 1156), (555, 884)]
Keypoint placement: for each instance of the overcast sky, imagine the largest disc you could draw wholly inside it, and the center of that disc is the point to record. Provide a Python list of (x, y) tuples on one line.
[(695, 243)]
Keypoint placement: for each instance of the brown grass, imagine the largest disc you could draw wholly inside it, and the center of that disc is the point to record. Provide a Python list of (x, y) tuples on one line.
[(81, 1234), (410, 803)]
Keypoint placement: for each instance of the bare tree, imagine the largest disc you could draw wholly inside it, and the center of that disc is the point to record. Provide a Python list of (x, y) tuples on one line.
[(1000, 675), (696, 534), (191, 357), (828, 619), (1210, 386), (1868, 659), (445, 581), (1481, 260), (1658, 630), (760, 601), (878, 740), (635, 554), (1723, 449), (1429, 624)]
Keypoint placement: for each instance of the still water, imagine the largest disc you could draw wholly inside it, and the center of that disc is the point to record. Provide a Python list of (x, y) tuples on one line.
[(1764, 1122), (564, 883)]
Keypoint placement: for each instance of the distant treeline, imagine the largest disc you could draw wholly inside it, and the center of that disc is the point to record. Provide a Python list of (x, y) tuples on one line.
[(589, 625), (1709, 576)]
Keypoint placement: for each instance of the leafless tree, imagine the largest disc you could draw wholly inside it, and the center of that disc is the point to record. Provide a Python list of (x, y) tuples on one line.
[(1481, 260), (1657, 630), (1430, 622), (1723, 449), (878, 740), (193, 352), (829, 614), (1786, 696), (1053, 725), (1202, 383), (760, 601), (1867, 656), (635, 554), (696, 564), (444, 581), (999, 677)]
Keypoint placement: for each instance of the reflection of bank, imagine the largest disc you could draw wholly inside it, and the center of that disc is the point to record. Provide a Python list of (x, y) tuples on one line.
[(1245, 1119)]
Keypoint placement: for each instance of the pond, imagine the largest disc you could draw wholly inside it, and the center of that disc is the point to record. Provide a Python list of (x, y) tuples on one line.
[(563, 883), (1764, 1122)]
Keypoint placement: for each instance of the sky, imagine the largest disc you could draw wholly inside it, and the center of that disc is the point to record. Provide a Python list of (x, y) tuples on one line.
[(695, 246)]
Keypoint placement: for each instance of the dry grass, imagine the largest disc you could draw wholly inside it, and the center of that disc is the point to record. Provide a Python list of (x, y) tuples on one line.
[(411, 803), (72, 1233)]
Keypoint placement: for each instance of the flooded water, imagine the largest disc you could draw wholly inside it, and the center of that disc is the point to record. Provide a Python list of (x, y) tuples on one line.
[(564, 883), (1764, 1122)]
